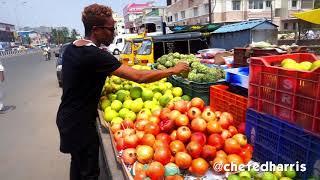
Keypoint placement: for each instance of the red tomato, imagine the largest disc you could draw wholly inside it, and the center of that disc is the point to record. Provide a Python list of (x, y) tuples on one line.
[(155, 170), (248, 147), (234, 159), (216, 140), (194, 149), (199, 167), (208, 152), (199, 137), (231, 146), (148, 139), (152, 128), (162, 155), (183, 160), (164, 137), (177, 146), (246, 155)]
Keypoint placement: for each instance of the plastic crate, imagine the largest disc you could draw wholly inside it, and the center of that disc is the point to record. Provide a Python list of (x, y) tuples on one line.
[(238, 76), (282, 143), (288, 94), (194, 89), (224, 98)]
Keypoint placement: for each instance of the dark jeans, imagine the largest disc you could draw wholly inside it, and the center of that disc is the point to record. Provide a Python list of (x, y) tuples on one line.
[(85, 163)]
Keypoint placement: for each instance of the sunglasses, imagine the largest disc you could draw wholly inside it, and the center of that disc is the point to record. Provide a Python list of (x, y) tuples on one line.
[(106, 27)]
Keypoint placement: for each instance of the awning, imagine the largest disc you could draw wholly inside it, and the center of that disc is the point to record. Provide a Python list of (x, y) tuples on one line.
[(310, 16), (193, 28)]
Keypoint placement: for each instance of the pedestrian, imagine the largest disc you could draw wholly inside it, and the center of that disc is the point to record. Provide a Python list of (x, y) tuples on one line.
[(85, 67), (3, 109)]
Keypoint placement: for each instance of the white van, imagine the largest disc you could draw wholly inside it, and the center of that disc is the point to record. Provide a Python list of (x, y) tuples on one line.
[(118, 43)]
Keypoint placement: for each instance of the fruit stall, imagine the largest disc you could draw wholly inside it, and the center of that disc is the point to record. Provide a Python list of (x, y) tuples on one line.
[(182, 126)]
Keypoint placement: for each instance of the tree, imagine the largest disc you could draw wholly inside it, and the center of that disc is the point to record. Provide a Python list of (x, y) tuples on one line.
[(74, 35), (60, 36)]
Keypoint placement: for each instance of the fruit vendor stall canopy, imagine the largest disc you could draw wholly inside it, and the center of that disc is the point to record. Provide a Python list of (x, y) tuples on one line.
[(244, 33), (192, 28), (310, 16)]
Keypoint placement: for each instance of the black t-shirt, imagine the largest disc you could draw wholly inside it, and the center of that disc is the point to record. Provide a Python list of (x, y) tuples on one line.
[(84, 70)]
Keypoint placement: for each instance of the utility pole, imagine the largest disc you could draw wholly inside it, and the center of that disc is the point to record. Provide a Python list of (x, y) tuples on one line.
[(210, 12), (271, 7)]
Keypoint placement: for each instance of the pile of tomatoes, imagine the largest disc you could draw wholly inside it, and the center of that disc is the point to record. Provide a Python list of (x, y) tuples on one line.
[(187, 135)]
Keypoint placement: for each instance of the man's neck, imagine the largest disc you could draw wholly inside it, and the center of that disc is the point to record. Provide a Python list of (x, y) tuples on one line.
[(93, 40)]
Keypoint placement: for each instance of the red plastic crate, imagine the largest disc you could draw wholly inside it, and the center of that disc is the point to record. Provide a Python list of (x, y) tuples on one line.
[(290, 95), (223, 100)]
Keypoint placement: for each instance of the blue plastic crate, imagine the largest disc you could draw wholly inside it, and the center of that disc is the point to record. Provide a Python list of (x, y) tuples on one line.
[(238, 76), (280, 142)]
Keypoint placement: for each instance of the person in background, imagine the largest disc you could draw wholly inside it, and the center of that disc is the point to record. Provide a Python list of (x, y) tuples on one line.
[(85, 68), (3, 109)]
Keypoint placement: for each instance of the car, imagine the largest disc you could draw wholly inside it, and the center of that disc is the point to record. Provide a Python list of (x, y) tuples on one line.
[(59, 56)]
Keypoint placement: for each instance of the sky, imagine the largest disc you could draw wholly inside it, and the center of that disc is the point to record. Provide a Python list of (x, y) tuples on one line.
[(53, 13)]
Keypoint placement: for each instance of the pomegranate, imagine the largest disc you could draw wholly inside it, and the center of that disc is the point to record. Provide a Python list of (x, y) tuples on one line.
[(182, 120), (162, 155), (208, 115), (231, 146), (199, 167), (131, 141), (198, 125), (129, 156), (194, 112), (216, 140), (199, 137), (183, 160), (181, 106), (183, 133), (144, 154), (208, 152), (194, 149), (198, 103), (213, 127), (174, 115)]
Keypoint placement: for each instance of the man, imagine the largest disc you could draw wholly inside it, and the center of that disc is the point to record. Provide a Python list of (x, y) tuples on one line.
[(85, 68)]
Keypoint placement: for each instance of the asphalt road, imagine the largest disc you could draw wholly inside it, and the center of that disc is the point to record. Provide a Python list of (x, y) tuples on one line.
[(29, 141)]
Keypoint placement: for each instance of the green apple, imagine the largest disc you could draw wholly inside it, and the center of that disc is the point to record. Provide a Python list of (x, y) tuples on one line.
[(157, 95), (253, 172), (130, 116), (233, 177), (127, 87), (315, 65), (164, 100), (109, 115), (278, 174), (290, 172), (177, 92), (112, 97), (123, 112), (186, 97), (148, 104), (116, 105), (116, 120), (305, 65), (155, 107), (147, 94), (168, 85), (127, 104), (122, 95), (168, 91), (137, 105), (135, 92), (268, 176), (117, 80), (175, 99), (244, 174), (107, 108), (105, 103)]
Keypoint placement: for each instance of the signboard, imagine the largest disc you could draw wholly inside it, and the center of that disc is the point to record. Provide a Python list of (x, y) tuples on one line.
[(135, 8)]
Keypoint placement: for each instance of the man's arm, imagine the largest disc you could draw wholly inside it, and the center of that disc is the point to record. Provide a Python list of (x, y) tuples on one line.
[(146, 76)]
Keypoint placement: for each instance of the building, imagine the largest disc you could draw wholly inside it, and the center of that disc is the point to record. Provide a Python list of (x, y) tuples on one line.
[(32, 38), (131, 12), (6, 35), (280, 12), (152, 18), (119, 24)]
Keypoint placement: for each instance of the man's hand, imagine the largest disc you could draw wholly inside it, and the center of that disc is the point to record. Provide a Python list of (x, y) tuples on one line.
[(180, 68)]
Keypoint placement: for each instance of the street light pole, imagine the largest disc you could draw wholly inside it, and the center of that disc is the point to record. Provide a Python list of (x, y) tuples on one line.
[(210, 18)]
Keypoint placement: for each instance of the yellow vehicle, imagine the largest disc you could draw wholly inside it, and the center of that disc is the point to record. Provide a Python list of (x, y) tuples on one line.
[(129, 51), (154, 47)]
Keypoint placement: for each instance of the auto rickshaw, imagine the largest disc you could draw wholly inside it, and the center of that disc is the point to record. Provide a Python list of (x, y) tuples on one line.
[(129, 51), (154, 47)]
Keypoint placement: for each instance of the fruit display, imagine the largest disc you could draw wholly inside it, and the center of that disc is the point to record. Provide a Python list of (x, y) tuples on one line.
[(199, 72), (126, 100), (305, 65), (183, 138)]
